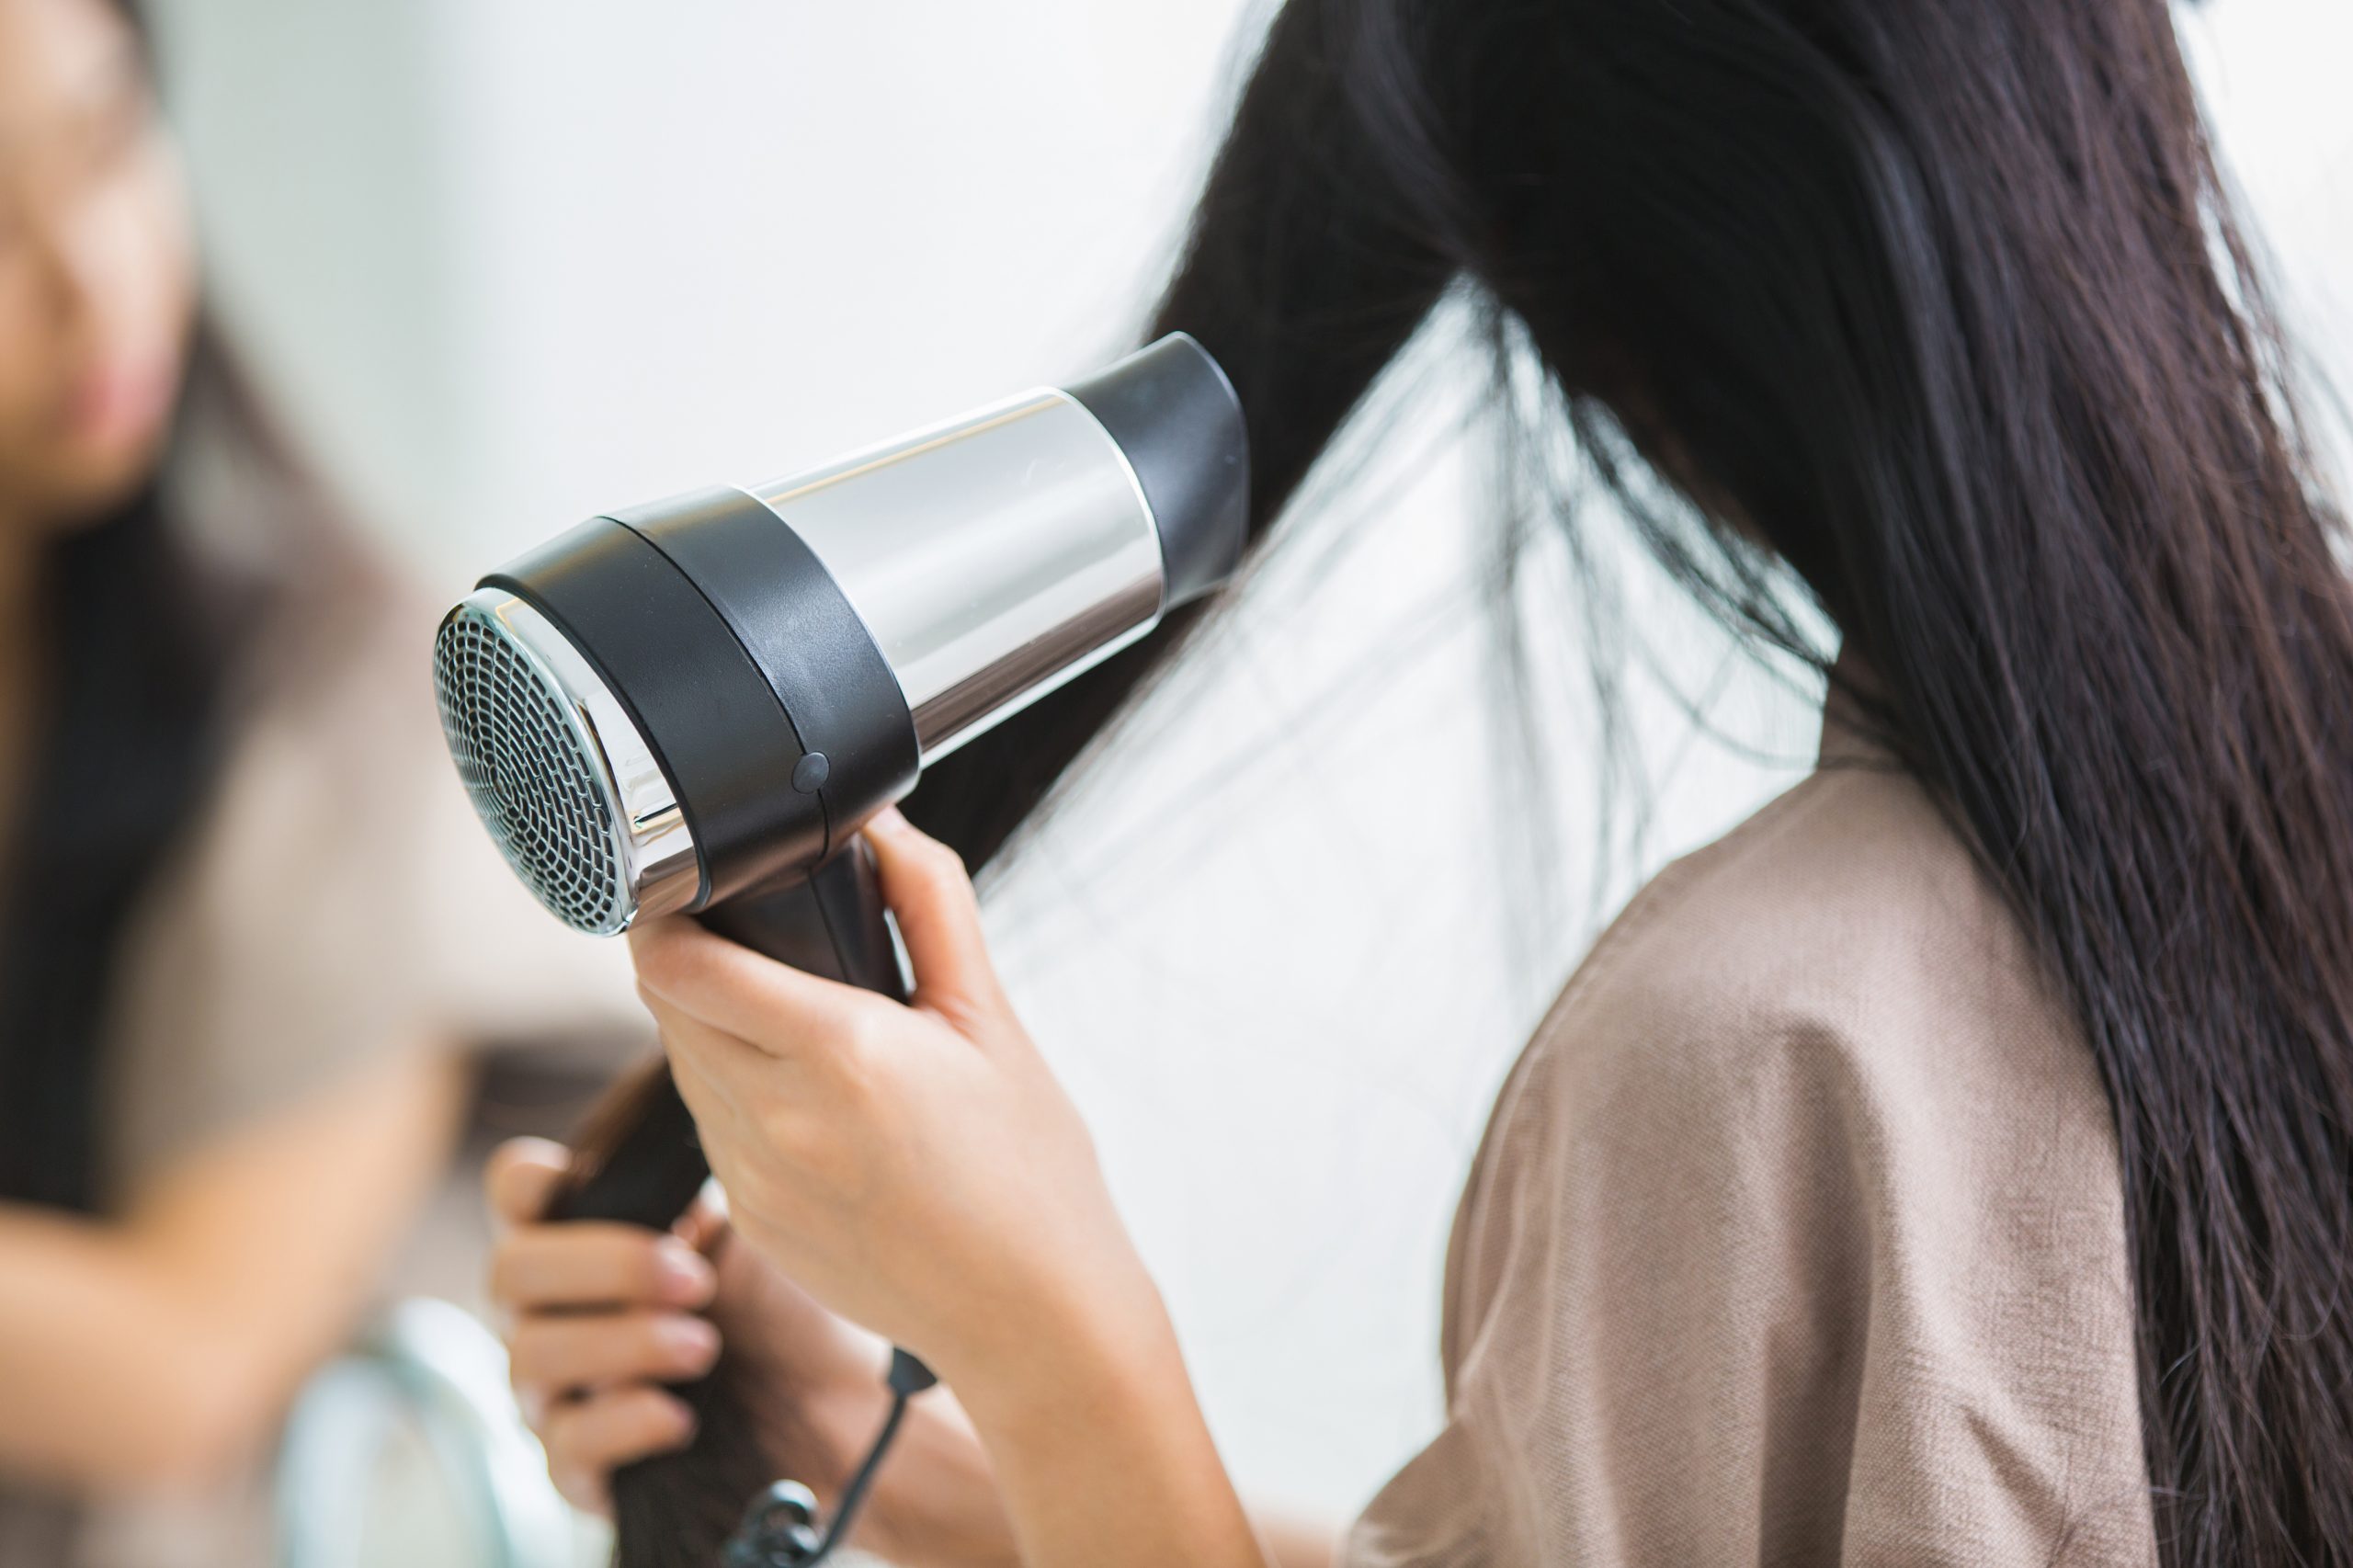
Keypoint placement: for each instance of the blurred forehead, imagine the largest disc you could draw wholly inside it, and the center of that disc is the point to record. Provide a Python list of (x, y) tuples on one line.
[(58, 59)]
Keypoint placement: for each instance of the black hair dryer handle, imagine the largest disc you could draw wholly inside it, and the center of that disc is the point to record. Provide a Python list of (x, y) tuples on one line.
[(830, 922)]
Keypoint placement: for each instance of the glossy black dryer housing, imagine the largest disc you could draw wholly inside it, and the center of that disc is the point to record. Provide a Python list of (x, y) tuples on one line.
[(769, 710)]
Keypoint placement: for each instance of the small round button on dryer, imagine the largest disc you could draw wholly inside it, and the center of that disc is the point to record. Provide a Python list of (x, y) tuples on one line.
[(809, 773)]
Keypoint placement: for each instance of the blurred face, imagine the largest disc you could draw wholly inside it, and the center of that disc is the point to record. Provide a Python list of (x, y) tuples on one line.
[(96, 278)]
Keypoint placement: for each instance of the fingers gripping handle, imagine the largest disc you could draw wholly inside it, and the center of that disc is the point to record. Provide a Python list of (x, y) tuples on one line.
[(639, 1160)]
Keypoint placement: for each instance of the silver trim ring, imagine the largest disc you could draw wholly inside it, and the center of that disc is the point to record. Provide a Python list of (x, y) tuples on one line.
[(562, 779)]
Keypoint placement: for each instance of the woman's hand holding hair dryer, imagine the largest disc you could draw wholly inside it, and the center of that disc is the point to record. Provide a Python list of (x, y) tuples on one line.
[(914, 1169), (604, 1314)]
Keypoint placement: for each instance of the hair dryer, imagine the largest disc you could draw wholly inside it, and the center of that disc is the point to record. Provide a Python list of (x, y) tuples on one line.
[(694, 705)]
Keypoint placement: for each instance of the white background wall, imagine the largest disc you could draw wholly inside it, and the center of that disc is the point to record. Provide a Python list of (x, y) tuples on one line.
[(513, 262)]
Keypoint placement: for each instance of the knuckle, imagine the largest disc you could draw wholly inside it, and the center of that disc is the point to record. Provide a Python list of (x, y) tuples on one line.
[(832, 1084), (945, 865), (668, 959), (851, 1099), (851, 1055), (864, 1046), (505, 1288), (652, 956)]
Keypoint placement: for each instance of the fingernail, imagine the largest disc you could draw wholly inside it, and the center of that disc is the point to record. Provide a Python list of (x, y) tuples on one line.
[(890, 819), (686, 1276), (694, 1341)]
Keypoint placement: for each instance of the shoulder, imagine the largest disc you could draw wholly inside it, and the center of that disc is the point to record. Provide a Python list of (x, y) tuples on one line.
[(1844, 938), (1840, 970), (1809, 1146), (1748, 1046)]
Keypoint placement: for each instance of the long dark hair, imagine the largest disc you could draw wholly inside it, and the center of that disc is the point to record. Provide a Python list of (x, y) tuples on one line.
[(1941, 302), (1939, 306)]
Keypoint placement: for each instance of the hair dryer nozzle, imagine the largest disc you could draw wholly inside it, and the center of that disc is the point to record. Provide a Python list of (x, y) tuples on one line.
[(560, 775)]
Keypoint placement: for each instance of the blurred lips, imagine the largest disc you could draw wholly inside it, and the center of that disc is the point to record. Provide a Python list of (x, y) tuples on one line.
[(120, 402)]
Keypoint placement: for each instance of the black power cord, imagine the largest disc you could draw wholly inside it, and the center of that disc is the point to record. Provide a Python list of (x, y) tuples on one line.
[(779, 1529)]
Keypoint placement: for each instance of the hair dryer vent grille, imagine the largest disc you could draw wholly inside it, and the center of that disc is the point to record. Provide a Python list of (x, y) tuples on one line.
[(520, 749)]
